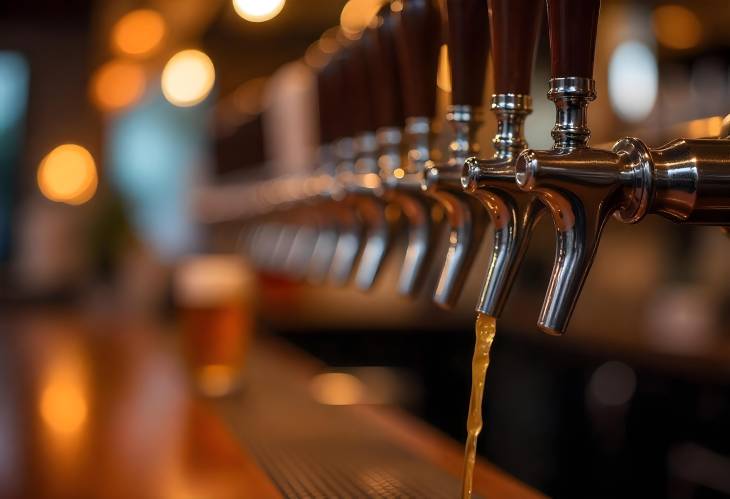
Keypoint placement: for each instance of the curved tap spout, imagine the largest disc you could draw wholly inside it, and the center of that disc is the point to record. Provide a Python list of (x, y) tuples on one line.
[(514, 214), (581, 189)]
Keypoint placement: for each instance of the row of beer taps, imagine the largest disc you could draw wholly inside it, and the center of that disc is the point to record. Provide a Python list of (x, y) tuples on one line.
[(379, 173)]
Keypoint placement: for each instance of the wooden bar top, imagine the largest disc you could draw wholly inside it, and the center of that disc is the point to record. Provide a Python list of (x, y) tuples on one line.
[(104, 408)]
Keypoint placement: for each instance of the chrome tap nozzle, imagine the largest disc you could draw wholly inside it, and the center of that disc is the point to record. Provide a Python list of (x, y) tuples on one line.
[(465, 217), (513, 212)]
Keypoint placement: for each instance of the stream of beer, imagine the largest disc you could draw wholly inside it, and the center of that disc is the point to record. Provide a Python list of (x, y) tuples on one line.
[(486, 327)]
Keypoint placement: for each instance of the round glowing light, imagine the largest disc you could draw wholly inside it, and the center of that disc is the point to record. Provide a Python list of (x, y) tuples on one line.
[(443, 77), (258, 11), (356, 15), (68, 174), (138, 32), (63, 407), (117, 84), (633, 81), (188, 78), (676, 27)]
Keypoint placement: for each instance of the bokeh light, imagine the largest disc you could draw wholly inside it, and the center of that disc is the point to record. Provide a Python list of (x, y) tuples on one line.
[(633, 81), (139, 32), (356, 16), (117, 84), (68, 174), (443, 77), (188, 78), (337, 389), (676, 27), (14, 77), (258, 11), (63, 404)]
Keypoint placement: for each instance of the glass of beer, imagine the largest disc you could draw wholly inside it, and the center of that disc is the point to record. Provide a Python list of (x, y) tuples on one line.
[(214, 294)]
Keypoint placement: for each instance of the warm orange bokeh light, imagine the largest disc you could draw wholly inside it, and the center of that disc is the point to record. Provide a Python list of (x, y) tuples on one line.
[(138, 33), (676, 27), (63, 405), (443, 77), (68, 174), (63, 408), (117, 84)]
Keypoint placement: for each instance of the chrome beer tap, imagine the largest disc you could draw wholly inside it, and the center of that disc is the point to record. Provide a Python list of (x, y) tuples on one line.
[(327, 189), (686, 180), (365, 185), (350, 237), (466, 219), (514, 28), (405, 55)]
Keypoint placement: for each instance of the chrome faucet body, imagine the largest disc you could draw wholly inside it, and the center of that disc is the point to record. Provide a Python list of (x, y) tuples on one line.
[(686, 180), (367, 187), (513, 212), (465, 217), (402, 179), (350, 238)]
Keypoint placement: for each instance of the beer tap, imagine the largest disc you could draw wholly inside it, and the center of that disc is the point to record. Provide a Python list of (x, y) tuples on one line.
[(365, 185), (350, 236), (514, 28), (686, 180), (467, 49), (328, 190), (417, 48)]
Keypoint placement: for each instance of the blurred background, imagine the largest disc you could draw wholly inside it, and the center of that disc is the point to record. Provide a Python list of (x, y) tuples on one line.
[(126, 125)]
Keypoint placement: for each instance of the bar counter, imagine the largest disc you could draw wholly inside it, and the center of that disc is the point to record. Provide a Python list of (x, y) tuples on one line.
[(94, 407)]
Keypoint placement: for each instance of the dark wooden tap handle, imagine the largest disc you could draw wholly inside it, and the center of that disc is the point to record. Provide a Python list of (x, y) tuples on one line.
[(324, 107), (341, 112), (379, 44), (418, 41), (572, 25), (514, 26), (358, 83), (468, 48)]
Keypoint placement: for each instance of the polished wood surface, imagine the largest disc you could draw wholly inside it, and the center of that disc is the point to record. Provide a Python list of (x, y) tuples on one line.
[(573, 25), (468, 40), (418, 41), (102, 409), (379, 44), (105, 408), (514, 27)]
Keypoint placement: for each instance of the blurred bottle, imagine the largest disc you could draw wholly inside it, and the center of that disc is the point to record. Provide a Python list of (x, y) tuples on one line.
[(214, 296)]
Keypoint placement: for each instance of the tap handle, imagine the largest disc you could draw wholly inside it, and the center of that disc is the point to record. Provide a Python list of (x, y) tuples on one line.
[(418, 40), (342, 122), (379, 45), (324, 104), (357, 88), (572, 26), (514, 27), (468, 48)]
